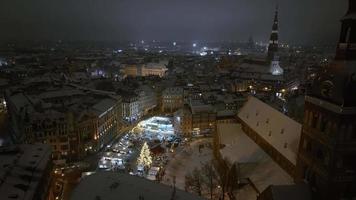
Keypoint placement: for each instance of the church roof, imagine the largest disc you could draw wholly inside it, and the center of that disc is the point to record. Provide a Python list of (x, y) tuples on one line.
[(280, 131)]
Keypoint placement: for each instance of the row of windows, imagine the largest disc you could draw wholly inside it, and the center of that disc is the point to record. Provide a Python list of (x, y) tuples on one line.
[(327, 125)]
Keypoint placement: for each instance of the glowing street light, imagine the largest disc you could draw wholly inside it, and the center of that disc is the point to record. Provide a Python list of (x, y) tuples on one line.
[(194, 44), (174, 43)]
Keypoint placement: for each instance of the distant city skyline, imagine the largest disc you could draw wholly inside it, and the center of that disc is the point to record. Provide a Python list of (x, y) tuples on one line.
[(301, 22)]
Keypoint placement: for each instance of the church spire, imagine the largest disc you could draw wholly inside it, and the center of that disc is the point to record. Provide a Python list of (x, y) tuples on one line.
[(352, 7), (346, 49), (273, 41)]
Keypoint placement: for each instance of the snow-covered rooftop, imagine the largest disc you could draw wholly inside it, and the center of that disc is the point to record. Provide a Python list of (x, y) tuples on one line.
[(234, 140), (22, 168), (198, 107), (253, 162), (104, 105), (280, 131), (19, 100), (60, 93), (114, 186), (158, 65)]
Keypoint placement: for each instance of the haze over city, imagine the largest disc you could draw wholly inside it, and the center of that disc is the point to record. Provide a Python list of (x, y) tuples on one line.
[(178, 100), (301, 22)]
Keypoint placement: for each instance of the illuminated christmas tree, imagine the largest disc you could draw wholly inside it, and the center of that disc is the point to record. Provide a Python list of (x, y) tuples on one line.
[(145, 158)]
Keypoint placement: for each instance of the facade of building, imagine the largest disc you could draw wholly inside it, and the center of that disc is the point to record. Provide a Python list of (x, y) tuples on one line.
[(73, 120), (195, 119), (155, 69), (327, 151), (131, 70), (203, 118), (182, 121), (108, 120), (25, 171), (148, 69), (130, 107), (172, 99), (147, 99)]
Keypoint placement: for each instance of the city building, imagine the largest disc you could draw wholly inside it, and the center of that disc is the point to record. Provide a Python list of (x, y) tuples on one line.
[(195, 119), (147, 99), (71, 118), (256, 168), (277, 134), (130, 107), (203, 118), (107, 122), (172, 99), (155, 69), (226, 117), (182, 121), (131, 70), (148, 69), (113, 185), (25, 172), (327, 153)]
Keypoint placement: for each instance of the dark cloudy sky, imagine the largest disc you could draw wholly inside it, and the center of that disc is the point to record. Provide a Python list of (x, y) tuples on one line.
[(301, 21)]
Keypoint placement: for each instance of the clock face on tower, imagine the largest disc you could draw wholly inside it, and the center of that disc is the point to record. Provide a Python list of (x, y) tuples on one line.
[(327, 88)]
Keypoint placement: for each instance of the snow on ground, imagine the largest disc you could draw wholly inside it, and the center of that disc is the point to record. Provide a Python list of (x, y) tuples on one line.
[(185, 160), (246, 193)]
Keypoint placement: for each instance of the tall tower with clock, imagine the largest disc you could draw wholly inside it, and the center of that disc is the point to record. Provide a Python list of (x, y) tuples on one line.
[(327, 149)]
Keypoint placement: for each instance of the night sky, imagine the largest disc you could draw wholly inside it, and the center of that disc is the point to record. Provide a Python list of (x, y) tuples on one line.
[(301, 21)]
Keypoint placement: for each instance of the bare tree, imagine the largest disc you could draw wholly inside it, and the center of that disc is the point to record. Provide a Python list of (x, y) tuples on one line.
[(222, 169), (197, 180), (233, 180), (193, 182), (210, 177)]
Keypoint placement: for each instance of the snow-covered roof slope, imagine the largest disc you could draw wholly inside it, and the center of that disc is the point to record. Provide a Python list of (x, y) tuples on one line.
[(280, 131), (117, 186), (238, 147), (253, 162)]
